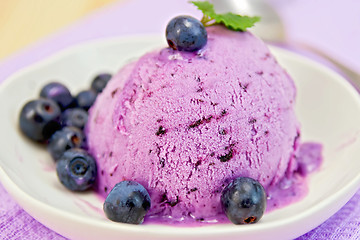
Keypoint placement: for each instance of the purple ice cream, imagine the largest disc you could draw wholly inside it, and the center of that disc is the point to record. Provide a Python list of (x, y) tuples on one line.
[(185, 124)]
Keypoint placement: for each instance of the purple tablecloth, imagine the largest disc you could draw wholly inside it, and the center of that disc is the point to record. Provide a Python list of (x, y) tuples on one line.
[(332, 26)]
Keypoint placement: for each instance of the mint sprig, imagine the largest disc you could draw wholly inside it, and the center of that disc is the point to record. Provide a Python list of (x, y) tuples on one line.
[(230, 20)]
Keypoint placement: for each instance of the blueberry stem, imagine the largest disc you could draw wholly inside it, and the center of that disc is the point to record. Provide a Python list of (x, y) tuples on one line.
[(208, 21)]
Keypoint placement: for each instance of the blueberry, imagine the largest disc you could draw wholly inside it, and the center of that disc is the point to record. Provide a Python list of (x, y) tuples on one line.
[(65, 139), (76, 169), (76, 117), (244, 201), (39, 119), (85, 99), (185, 33), (57, 92), (127, 202), (100, 82)]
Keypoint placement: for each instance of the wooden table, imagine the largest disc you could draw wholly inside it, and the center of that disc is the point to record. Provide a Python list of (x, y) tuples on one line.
[(23, 22)]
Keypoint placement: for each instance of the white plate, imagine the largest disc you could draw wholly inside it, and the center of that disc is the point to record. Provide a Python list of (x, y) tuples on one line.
[(327, 106)]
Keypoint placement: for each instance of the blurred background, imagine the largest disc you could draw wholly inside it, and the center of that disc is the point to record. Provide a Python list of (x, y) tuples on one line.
[(23, 22)]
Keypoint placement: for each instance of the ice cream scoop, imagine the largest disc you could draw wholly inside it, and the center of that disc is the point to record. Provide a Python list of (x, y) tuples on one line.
[(184, 124)]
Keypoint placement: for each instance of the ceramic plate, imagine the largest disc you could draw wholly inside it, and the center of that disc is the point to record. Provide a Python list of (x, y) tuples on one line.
[(327, 107)]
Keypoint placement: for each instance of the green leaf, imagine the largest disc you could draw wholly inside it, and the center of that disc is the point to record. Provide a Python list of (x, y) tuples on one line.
[(230, 20), (236, 22), (206, 7)]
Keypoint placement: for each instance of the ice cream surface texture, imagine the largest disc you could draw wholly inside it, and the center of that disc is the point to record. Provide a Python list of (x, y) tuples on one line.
[(185, 124)]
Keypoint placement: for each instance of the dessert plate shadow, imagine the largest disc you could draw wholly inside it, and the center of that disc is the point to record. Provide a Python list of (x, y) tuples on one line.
[(328, 108)]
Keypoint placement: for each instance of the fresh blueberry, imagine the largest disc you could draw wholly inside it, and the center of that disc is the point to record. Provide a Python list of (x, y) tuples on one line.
[(85, 99), (185, 33), (76, 117), (57, 92), (127, 202), (100, 82), (65, 139), (244, 201), (76, 169), (39, 119)]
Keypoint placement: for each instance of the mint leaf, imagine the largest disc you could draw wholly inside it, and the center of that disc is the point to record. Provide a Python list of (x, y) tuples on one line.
[(236, 22), (206, 7), (230, 20)]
